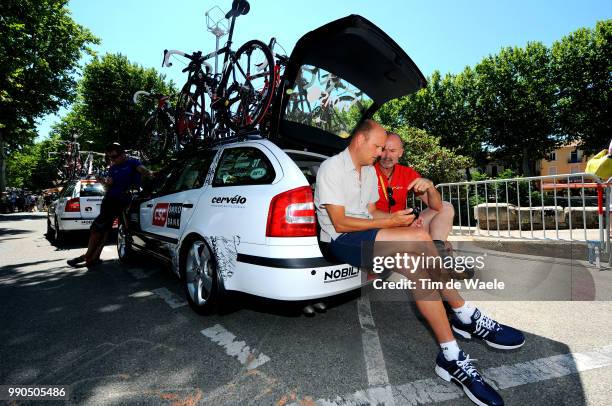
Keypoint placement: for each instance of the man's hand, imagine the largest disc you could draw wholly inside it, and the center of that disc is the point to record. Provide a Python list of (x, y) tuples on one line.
[(402, 218), (420, 185)]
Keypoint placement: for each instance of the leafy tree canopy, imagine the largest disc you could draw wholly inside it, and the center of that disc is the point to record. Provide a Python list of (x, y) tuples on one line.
[(41, 46), (104, 111)]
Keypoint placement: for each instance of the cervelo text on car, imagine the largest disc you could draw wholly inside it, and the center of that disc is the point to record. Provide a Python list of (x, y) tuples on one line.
[(240, 216)]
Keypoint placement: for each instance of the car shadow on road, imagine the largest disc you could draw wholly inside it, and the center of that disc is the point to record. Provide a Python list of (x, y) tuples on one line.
[(13, 231), (238, 301), (21, 216), (76, 239)]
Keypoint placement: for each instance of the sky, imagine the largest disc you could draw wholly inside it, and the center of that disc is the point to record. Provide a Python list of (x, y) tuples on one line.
[(443, 35)]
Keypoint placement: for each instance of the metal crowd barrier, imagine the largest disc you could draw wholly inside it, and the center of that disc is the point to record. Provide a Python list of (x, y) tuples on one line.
[(568, 207)]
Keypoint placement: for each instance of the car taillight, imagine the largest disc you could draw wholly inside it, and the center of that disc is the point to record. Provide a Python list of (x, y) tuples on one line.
[(292, 214), (73, 205)]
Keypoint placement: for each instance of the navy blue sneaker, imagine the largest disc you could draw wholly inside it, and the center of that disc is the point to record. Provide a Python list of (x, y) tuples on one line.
[(464, 373), (494, 334)]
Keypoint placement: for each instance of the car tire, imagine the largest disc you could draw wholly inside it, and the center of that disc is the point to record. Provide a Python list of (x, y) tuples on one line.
[(200, 278), (58, 235), (50, 231), (124, 245)]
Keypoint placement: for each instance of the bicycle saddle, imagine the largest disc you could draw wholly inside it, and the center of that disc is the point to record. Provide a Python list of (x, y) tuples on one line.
[(239, 7)]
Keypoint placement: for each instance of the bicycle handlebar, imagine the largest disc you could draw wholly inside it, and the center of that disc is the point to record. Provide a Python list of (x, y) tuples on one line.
[(169, 53), (192, 57)]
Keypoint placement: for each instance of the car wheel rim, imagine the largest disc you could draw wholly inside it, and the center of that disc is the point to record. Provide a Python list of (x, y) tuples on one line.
[(199, 273)]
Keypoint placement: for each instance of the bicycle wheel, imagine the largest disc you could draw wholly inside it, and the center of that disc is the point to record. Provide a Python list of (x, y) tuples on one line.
[(191, 122), (249, 84), (155, 140)]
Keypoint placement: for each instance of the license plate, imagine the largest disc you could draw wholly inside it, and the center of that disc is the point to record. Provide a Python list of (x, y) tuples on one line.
[(86, 221)]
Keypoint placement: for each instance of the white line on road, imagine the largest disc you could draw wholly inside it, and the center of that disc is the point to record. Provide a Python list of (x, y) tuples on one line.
[(251, 358), (376, 370), (432, 390), (173, 300)]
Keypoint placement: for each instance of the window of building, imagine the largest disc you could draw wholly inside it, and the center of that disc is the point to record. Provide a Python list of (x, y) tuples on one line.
[(574, 156)]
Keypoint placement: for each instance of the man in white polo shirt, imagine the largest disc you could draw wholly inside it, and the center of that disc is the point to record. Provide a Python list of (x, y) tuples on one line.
[(345, 198)]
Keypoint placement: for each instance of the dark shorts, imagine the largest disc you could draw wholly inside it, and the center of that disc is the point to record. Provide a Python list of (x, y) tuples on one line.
[(347, 247), (110, 210)]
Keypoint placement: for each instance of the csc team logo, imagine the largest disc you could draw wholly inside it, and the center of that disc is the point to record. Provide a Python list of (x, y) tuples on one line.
[(160, 214)]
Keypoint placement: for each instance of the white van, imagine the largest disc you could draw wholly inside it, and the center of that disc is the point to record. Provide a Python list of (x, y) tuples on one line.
[(240, 216)]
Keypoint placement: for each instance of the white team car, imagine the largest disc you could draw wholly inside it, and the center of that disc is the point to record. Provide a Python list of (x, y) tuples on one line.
[(240, 216), (75, 209)]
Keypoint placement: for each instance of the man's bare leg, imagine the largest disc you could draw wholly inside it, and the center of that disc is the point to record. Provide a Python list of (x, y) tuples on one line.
[(432, 309), (95, 239), (438, 223), (100, 246)]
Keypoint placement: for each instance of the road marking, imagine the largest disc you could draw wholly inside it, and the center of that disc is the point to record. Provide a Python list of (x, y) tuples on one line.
[(432, 390), (549, 368), (142, 293), (251, 358), (173, 300), (376, 370)]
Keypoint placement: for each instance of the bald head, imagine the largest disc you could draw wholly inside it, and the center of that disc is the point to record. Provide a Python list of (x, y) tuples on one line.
[(394, 149), (394, 140)]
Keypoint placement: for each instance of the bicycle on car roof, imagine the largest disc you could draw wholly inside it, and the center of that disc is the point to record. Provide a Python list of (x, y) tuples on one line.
[(213, 106)]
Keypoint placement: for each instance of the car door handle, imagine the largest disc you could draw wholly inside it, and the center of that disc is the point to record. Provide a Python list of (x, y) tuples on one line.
[(188, 205), (150, 205)]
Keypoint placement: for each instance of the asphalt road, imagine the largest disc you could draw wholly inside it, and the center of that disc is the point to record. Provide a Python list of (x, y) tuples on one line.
[(119, 335)]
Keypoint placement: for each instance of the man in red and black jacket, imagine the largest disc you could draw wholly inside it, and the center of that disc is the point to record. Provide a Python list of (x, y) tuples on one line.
[(395, 181)]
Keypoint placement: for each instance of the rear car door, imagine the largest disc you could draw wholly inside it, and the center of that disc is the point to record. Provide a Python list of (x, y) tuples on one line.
[(174, 209), (238, 201)]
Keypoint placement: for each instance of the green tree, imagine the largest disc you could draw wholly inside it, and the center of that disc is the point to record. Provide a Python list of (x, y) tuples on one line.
[(516, 100), (19, 168), (424, 153), (104, 111), (582, 68), (33, 167), (445, 108), (40, 46)]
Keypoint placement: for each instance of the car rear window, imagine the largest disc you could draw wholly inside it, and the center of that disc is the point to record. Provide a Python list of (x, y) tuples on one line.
[(92, 189), (243, 166), (308, 163), (325, 101)]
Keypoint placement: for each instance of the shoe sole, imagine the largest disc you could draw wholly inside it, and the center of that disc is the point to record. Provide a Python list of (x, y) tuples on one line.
[(468, 336), (442, 373)]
